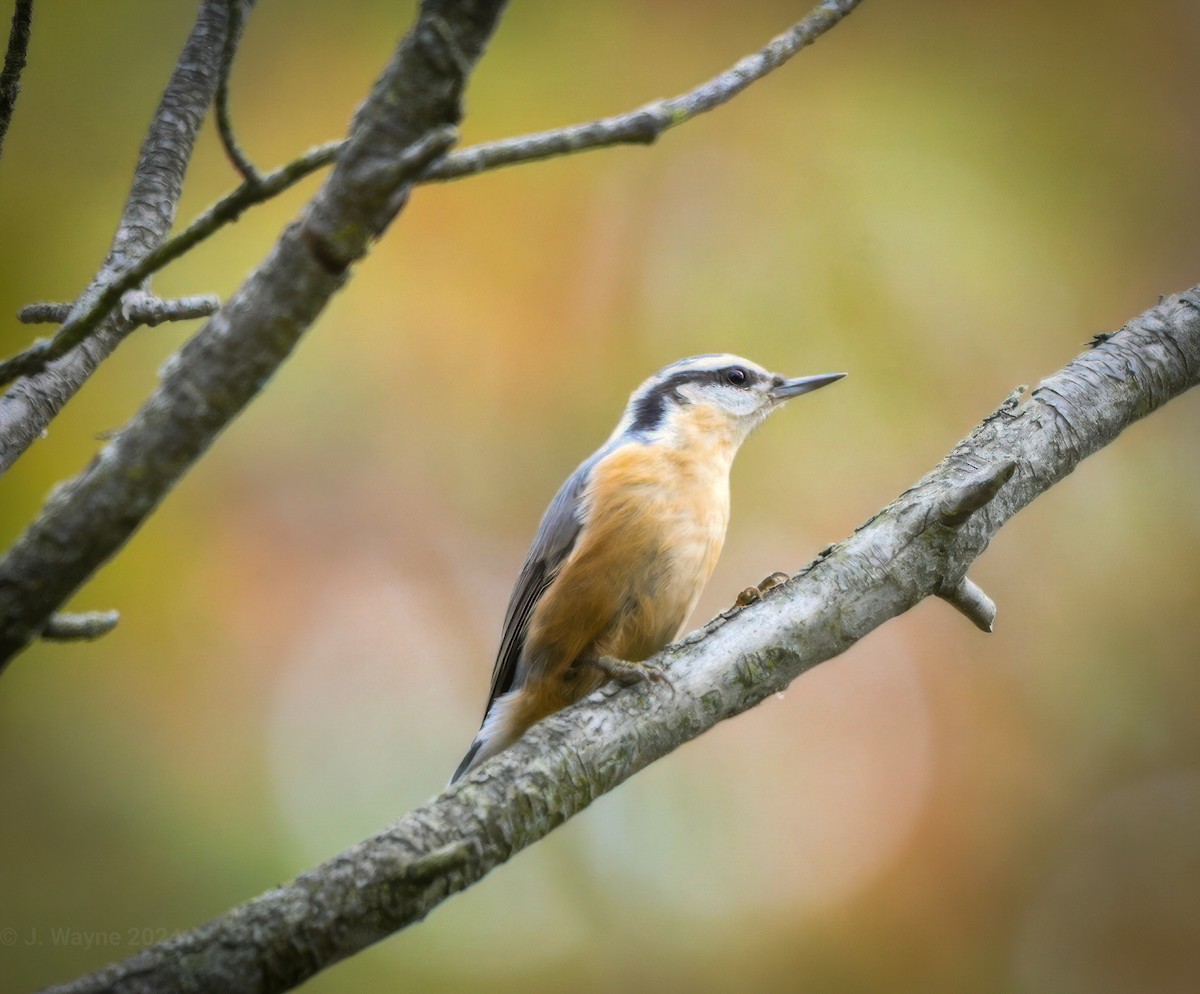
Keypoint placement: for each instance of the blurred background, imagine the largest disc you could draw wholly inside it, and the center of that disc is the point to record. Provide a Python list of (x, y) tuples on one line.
[(945, 199)]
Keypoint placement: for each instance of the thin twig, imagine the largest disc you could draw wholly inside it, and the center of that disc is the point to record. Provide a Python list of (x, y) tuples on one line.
[(969, 598), (14, 64), (138, 308), (45, 312), (87, 626), (228, 208), (237, 155), (141, 308), (647, 123)]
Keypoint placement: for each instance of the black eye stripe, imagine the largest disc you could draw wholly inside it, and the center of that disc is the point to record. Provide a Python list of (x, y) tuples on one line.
[(650, 408)]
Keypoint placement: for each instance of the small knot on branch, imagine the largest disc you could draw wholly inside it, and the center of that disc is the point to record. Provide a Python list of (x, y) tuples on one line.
[(438, 862), (44, 312), (86, 626), (1191, 298), (967, 597), (645, 125), (974, 492)]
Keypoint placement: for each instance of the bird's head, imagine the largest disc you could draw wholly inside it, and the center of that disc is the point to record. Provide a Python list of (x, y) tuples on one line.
[(711, 395)]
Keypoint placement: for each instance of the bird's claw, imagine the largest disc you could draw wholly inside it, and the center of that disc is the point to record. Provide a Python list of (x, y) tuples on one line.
[(627, 673)]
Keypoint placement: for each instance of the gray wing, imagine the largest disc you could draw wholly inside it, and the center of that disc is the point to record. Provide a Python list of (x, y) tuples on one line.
[(553, 543)]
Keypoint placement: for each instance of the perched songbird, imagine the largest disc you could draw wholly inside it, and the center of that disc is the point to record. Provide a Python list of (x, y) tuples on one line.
[(628, 543)]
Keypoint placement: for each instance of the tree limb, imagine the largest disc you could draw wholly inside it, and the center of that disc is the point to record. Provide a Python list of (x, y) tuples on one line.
[(34, 399), (405, 123), (640, 126), (905, 553), (14, 63)]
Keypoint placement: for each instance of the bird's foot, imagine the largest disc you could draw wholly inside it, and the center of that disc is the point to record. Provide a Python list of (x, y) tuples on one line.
[(627, 673), (752, 594)]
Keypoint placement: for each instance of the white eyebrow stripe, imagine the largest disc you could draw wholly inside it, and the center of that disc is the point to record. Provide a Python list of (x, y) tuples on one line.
[(702, 363)]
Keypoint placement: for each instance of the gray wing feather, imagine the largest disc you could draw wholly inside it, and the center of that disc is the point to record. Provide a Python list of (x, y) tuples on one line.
[(553, 543)]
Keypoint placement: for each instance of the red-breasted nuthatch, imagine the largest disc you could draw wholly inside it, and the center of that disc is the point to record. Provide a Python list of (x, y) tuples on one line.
[(628, 543)]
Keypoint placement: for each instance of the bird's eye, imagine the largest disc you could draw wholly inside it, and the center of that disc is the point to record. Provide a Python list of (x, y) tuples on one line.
[(736, 376)]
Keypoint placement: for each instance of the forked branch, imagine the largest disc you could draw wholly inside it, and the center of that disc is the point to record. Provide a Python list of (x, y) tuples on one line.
[(46, 385)]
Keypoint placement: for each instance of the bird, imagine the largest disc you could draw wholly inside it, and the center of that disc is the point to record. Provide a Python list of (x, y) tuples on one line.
[(628, 543)]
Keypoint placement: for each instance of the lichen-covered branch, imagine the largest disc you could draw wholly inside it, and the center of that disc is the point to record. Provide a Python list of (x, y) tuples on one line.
[(38, 395), (406, 122), (919, 545)]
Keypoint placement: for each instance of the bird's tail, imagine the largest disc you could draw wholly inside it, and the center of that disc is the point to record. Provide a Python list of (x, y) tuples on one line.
[(506, 721), (468, 760), (511, 714)]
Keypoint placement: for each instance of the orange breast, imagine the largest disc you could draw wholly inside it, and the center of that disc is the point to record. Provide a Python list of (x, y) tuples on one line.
[(655, 526)]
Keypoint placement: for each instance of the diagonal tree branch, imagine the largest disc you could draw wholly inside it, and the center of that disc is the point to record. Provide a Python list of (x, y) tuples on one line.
[(640, 126), (919, 545), (405, 123), (31, 402), (14, 63)]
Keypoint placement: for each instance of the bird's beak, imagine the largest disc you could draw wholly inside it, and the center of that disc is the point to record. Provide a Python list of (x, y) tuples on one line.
[(804, 384)]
